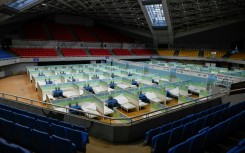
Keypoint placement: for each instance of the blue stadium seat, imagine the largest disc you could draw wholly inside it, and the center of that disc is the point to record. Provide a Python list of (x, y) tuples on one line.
[(79, 138), (179, 148), (188, 130), (160, 142), (12, 148), (224, 127), (187, 119), (217, 117), (165, 128), (25, 120), (43, 118), (225, 114), (150, 134), (242, 120), (211, 137), (176, 135), (176, 123), (62, 145), (58, 130), (42, 142), (54, 121), (65, 124), (234, 123), (6, 114), (23, 136), (7, 129), (196, 143), (199, 124), (209, 120), (194, 117), (79, 128), (43, 126)]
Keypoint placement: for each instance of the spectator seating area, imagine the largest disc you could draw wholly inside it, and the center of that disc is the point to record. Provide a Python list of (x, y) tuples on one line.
[(219, 54), (73, 52), (27, 132), (60, 32), (83, 33), (34, 31), (238, 56), (239, 148), (100, 52), (103, 34), (35, 52), (143, 52), (166, 52), (197, 132), (121, 52), (188, 53), (5, 54)]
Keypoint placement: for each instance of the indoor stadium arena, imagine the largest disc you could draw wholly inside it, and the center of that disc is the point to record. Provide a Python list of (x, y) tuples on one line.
[(122, 76)]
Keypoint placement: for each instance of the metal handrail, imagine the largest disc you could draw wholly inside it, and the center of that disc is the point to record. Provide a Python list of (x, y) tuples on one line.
[(131, 119)]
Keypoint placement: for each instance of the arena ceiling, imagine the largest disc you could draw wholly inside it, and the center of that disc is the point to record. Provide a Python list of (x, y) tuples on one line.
[(184, 14)]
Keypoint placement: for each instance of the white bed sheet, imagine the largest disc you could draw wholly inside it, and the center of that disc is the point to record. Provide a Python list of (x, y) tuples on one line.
[(98, 89), (108, 111), (69, 94)]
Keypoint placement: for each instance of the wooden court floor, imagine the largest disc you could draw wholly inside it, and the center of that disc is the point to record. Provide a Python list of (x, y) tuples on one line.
[(20, 85)]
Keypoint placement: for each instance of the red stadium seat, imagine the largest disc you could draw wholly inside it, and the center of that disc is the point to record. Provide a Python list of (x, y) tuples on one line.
[(100, 52), (143, 52), (121, 52), (35, 52), (60, 32), (73, 52)]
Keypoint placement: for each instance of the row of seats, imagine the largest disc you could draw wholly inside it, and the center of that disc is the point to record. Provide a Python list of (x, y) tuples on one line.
[(210, 136), (39, 141), (238, 56), (121, 52), (35, 31), (142, 52), (73, 52), (182, 133), (153, 132), (218, 54), (188, 53), (166, 52), (5, 54), (60, 32), (8, 147), (12, 118), (83, 33), (35, 52), (100, 52), (238, 148)]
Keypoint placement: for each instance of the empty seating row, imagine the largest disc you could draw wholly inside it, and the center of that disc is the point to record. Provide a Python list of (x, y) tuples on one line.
[(35, 52), (52, 127), (121, 52), (7, 147), (188, 53), (166, 52), (214, 54), (188, 119), (60, 32), (35, 31), (181, 133), (73, 52), (38, 141), (83, 33), (210, 136), (238, 148), (5, 54), (142, 52), (103, 34), (100, 52), (238, 56)]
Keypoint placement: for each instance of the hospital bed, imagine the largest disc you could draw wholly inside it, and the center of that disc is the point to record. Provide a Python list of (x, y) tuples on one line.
[(125, 104)]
